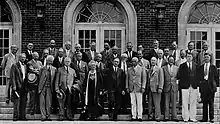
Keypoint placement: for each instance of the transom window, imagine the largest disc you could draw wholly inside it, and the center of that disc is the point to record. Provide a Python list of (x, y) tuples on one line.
[(205, 13), (101, 12)]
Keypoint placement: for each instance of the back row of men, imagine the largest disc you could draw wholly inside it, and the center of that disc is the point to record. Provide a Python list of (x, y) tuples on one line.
[(161, 74)]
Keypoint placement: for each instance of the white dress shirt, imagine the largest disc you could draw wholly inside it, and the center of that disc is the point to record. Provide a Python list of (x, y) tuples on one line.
[(22, 70), (159, 62), (92, 54), (124, 66), (170, 68), (67, 53), (206, 66), (60, 59)]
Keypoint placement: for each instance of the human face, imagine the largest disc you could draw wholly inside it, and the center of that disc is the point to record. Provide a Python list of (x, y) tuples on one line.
[(156, 44), (67, 62), (106, 46), (114, 51), (171, 61), (205, 46), (166, 52), (174, 45), (182, 54), (60, 53), (68, 46), (116, 62), (14, 50), (160, 54), (153, 61), (207, 58), (79, 57), (93, 45), (189, 58), (46, 53), (30, 46), (140, 55), (77, 48), (35, 56), (98, 58), (191, 46), (92, 66), (129, 47), (134, 63), (22, 58), (49, 62), (52, 44)]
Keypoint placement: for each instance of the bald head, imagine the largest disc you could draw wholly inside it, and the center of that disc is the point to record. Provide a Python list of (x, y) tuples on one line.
[(49, 59), (35, 55), (134, 61), (22, 57), (153, 61), (98, 57), (30, 46), (52, 43), (160, 53), (67, 61)]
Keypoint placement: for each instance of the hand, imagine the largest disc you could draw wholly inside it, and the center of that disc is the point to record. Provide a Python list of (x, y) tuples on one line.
[(142, 90), (159, 90), (123, 92), (128, 90)]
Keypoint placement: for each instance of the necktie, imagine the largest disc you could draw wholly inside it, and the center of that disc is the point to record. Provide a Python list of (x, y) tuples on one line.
[(124, 66), (115, 69), (78, 64), (49, 71), (67, 70), (206, 69)]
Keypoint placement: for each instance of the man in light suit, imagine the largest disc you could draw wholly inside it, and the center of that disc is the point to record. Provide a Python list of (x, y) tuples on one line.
[(64, 81), (67, 50), (209, 79), (155, 88), (7, 61), (44, 57), (166, 54), (175, 52), (188, 77), (34, 67), (91, 54), (18, 79), (160, 61), (45, 88), (153, 52), (191, 49), (170, 88), (135, 84), (52, 49), (205, 48)]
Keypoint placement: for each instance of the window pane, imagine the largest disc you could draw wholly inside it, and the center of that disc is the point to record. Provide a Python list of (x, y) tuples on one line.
[(81, 43), (118, 34), (217, 55), (118, 43), (112, 34), (81, 34), (204, 35), (1, 52), (217, 35), (112, 43), (198, 45), (6, 50), (1, 33), (93, 34), (87, 42), (6, 42), (198, 35), (87, 34), (217, 45), (4, 81), (192, 35), (106, 34), (218, 63), (1, 43), (6, 33)]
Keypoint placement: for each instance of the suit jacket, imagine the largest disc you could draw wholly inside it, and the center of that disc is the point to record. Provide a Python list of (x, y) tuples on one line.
[(195, 55), (184, 76), (110, 58), (100, 68), (28, 56), (151, 54), (42, 60), (170, 79), (84, 57), (64, 79), (7, 61), (89, 56), (136, 79), (201, 60), (57, 64), (80, 71), (16, 80), (43, 78), (164, 62), (70, 54), (156, 79), (115, 80), (105, 56), (145, 64), (213, 78), (53, 52), (177, 56), (134, 54)]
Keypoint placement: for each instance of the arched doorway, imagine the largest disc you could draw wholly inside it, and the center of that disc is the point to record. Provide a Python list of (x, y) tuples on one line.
[(10, 32), (198, 21), (100, 21)]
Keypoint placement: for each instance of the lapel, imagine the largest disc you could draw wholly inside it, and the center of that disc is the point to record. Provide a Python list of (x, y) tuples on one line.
[(19, 68), (167, 69), (133, 70), (154, 70)]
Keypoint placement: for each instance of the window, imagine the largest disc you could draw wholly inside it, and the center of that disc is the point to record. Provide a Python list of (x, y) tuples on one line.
[(198, 37), (86, 37), (205, 13)]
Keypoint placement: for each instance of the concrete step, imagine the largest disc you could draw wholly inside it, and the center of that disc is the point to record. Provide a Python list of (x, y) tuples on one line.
[(104, 117)]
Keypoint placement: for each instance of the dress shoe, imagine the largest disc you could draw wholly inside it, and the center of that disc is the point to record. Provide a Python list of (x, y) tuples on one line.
[(15, 119), (176, 120), (212, 120), (43, 119), (150, 119), (204, 120), (166, 119), (139, 119), (193, 120), (7, 101), (157, 120), (48, 119), (133, 119)]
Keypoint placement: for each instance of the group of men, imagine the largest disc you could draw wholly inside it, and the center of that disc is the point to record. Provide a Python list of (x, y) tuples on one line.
[(160, 78)]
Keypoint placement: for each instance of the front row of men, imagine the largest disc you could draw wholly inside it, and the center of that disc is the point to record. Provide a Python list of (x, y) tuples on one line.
[(136, 80)]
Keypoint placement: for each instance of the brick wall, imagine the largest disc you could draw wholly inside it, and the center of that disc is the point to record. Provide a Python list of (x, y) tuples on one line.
[(52, 28)]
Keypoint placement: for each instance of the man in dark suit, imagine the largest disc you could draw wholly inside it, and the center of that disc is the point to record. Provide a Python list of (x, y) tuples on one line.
[(188, 83), (78, 50), (153, 52), (29, 52), (170, 88), (130, 53), (18, 80), (114, 54), (208, 78), (91, 54), (58, 62), (205, 49), (191, 49), (52, 49), (105, 52), (115, 87)]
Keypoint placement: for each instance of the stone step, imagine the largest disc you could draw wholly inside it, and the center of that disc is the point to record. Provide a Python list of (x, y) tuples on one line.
[(104, 117), (10, 111)]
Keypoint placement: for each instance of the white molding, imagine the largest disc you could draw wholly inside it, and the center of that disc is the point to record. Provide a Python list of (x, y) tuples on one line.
[(17, 23), (74, 6)]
